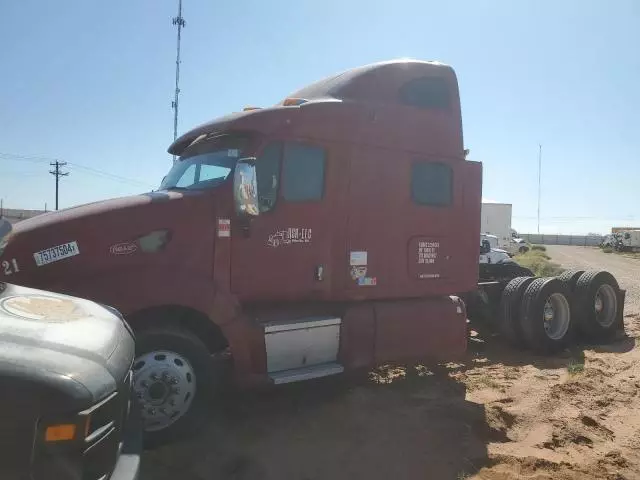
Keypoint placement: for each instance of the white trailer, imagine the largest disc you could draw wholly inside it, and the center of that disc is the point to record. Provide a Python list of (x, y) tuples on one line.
[(629, 240), (496, 220)]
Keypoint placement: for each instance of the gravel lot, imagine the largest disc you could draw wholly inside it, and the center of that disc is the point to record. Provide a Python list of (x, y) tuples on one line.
[(625, 269)]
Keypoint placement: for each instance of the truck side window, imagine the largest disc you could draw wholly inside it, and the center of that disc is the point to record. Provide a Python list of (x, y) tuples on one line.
[(268, 173), (426, 92), (432, 184), (303, 173)]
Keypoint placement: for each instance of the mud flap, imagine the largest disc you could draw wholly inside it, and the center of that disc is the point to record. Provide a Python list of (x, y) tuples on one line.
[(620, 320)]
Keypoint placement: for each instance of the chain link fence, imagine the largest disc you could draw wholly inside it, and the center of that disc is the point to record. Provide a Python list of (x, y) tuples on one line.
[(551, 239)]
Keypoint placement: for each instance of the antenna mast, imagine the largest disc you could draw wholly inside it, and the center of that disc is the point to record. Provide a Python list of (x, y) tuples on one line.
[(179, 22)]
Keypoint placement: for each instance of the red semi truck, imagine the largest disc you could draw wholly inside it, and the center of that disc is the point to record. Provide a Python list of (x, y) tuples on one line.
[(327, 233)]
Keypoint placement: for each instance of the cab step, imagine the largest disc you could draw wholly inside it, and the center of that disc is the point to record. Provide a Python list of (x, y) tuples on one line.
[(306, 373)]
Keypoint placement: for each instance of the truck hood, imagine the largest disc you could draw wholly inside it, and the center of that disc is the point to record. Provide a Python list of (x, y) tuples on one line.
[(113, 206)]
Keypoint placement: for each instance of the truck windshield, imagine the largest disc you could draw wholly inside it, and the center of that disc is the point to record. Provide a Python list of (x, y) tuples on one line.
[(206, 170)]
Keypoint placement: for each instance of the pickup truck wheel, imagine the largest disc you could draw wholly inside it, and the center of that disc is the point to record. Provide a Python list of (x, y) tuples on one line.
[(508, 320), (171, 381), (596, 302), (545, 315)]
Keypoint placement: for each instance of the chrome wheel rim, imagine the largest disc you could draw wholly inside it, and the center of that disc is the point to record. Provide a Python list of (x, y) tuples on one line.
[(164, 383), (556, 316), (605, 305)]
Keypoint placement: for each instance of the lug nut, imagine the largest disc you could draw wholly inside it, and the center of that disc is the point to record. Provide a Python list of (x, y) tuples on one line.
[(165, 376), (173, 381), (155, 377), (175, 390)]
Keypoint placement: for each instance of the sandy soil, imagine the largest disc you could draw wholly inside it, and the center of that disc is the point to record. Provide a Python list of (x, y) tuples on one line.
[(499, 414)]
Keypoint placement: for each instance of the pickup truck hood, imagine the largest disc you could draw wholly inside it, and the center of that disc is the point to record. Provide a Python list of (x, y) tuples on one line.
[(71, 344)]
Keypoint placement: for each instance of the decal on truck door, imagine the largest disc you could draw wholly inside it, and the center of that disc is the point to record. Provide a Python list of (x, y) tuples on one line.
[(429, 258), (224, 227), (289, 236), (428, 252)]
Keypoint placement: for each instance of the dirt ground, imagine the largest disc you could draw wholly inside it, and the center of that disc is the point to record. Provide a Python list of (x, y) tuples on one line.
[(498, 414)]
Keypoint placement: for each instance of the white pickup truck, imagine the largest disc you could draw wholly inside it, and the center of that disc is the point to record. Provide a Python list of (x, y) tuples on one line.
[(489, 251)]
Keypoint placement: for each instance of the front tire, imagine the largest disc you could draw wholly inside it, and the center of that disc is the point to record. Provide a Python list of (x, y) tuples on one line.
[(172, 382)]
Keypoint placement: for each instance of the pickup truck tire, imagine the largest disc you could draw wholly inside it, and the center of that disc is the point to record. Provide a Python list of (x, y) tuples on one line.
[(508, 318), (596, 304), (173, 381), (570, 278), (545, 315)]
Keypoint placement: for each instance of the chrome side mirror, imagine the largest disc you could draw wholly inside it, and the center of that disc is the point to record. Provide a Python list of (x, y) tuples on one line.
[(245, 188)]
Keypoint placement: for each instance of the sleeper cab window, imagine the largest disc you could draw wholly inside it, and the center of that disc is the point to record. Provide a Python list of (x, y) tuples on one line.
[(302, 173), (426, 92), (432, 184)]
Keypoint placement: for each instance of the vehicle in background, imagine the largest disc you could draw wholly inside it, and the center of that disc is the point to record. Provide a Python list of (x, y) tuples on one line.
[(515, 245), (65, 376), (496, 220), (284, 245), (518, 245), (610, 240), (489, 253), (628, 241)]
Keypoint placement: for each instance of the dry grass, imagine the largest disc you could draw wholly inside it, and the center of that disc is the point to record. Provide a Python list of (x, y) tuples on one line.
[(539, 263)]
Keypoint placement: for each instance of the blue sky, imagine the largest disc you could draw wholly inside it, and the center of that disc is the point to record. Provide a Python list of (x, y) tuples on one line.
[(92, 82)]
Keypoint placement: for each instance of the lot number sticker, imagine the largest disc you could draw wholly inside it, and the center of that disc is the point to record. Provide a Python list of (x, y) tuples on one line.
[(54, 254)]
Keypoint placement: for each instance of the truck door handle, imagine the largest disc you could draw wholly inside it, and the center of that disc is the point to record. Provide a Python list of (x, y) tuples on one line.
[(319, 273)]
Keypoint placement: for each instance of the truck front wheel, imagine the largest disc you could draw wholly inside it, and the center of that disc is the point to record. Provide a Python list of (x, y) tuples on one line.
[(172, 379)]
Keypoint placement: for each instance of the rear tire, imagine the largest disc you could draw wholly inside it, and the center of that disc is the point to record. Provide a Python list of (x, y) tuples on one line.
[(174, 380), (570, 278), (508, 319), (545, 315), (596, 305)]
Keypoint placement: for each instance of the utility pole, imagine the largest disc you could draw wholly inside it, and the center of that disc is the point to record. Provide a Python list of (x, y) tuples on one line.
[(539, 181), (56, 172), (179, 22)]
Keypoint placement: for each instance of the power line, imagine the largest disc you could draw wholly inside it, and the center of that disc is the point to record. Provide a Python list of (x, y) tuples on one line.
[(56, 172), (112, 176), (101, 173), (25, 158)]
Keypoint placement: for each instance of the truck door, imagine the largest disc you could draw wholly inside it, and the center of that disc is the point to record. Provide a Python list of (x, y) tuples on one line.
[(284, 253)]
